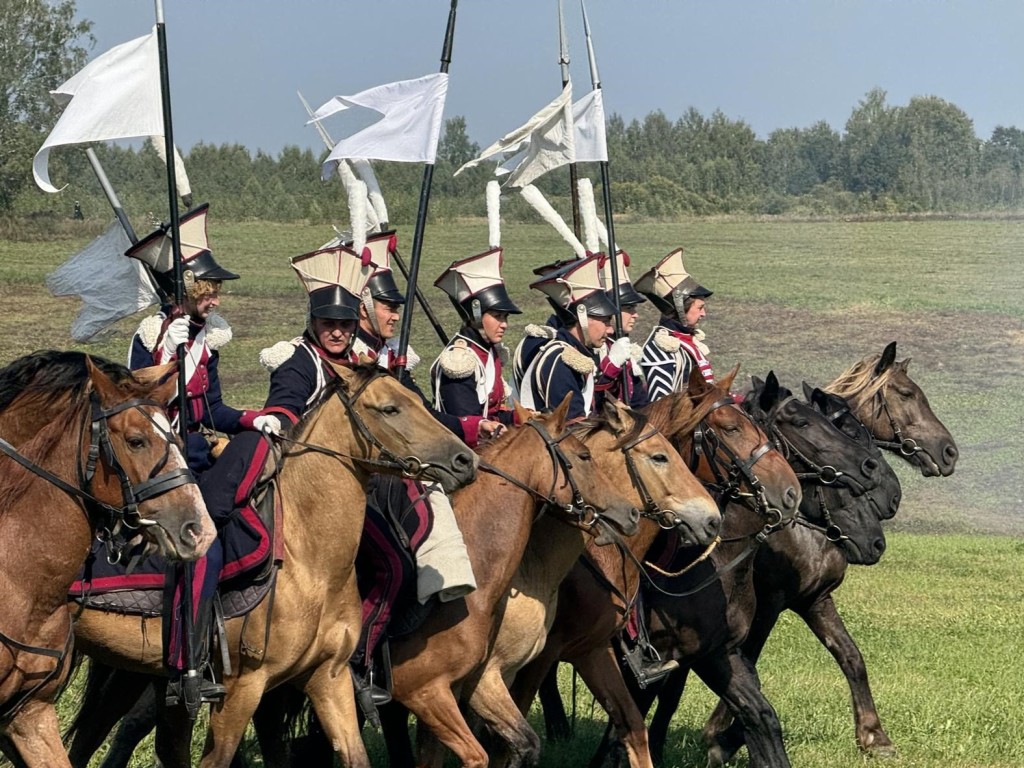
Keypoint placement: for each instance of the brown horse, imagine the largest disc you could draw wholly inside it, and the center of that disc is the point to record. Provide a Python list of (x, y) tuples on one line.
[(434, 666), (631, 453), (897, 413), (735, 458), (364, 422), (104, 462), (902, 421)]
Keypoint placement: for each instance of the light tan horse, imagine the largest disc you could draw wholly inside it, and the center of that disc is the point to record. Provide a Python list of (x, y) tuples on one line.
[(104, 461), (634, 455), (316, 610)]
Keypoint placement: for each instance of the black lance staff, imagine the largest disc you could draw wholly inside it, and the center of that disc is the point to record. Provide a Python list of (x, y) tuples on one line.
[(191, 679), (395, 255), (606, 191), (421, 217), (563, 61)]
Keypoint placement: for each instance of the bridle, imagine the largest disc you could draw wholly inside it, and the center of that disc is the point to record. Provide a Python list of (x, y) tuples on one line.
[(906, 447), (586, 515), (650, 509), (731, 476), (113, 525)]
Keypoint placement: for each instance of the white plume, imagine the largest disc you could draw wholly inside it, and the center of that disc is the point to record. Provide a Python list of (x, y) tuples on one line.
[(536, 198), (357, 209), (588, 213), (365, 170), (369, 221), (493, 214)]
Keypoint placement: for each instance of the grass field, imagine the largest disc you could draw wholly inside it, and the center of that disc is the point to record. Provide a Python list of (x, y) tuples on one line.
[(938, 619)]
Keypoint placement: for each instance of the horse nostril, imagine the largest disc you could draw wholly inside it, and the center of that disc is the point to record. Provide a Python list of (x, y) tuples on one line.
[(950, 453), (869, 468), (879, 545), (634, 515), (463, 460), (190, 532), (894, 504), (789, 498)]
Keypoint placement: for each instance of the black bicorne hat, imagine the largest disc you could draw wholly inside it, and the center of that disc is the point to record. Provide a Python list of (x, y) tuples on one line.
[(475, 285)]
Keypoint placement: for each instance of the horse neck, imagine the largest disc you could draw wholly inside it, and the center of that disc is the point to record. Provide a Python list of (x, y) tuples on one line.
[(46, 535), (618, 562), (553, 548), (21, 420)]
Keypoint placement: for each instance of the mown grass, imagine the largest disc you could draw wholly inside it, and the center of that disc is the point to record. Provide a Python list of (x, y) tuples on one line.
[(938, 619)]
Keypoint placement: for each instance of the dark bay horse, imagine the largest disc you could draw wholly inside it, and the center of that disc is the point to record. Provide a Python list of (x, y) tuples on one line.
[(634, 454), (847, 490), (102, 460), (365, 422), (730, 453)]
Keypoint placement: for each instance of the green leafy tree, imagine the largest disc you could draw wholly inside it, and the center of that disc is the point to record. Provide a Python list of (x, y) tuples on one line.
[(872, 149), (941, 153), (41, 46)]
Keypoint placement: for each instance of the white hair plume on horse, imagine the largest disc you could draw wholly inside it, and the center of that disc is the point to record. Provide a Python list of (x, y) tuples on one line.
[(493, 196), (588, 214), (536, 198)]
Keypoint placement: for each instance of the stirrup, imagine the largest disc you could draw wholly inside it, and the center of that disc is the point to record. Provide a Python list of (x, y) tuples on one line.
[(647, 671), (207, 692), (369, 696)]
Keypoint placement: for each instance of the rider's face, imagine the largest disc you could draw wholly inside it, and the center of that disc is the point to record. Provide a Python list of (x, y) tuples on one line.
[(493, 326), (629, 315), (333, 336), (695, 313), (599, 328)]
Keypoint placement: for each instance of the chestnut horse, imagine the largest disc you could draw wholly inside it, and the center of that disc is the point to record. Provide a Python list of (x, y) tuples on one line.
[(733, 455), (105, 463), (879, 393), (632, 453), (365, 421)]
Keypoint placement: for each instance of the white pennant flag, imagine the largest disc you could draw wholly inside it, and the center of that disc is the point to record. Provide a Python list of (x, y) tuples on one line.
[(589, 128), (110, 285), (115, 96), (544, 142), (408, 131)]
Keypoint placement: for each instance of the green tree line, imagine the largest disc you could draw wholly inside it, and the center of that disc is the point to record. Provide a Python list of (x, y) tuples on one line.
[(920, 157)]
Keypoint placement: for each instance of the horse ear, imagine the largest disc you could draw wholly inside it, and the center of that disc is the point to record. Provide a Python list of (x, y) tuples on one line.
[(696, 385), (809, 392), (887, 359), (770, 394), (100, 382), (155, 375), (817, 398), (903, 365), (345, 372), (726, 382), (558, 416), (615, 413), (523, 415)]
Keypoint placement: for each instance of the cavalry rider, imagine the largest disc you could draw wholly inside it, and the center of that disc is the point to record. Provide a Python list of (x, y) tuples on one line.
[(467, 375), (675, 345), (566, 361), (617, 363), (442, 563), (198, 327)]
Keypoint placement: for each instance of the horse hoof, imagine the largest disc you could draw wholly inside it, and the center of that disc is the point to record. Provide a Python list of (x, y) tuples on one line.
[(882, 751)]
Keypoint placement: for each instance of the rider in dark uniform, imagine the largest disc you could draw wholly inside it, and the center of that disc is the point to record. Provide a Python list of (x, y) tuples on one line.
[(675, 345), (618, 358), (203, 332), (467, 376)]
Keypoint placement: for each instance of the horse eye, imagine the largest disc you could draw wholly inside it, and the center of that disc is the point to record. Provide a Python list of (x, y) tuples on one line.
[(800, 423), (906, 394), (136, 442), (659, 458), (389, 410), (584, 455)]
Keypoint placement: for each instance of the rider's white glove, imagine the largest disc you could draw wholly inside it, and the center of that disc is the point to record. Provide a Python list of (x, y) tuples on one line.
[(620, 351), (176, 335), (267, 423)]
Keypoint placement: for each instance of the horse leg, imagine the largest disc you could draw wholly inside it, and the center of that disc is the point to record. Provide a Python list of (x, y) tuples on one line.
[(827, 625), (601, 673), (491, 700), (333, 697), (35, 734), (173, 742), (136, 723), (229, 720), (436, 708), (394, 723), (555, 720), (721, 728), (734, 679), (668, 696)]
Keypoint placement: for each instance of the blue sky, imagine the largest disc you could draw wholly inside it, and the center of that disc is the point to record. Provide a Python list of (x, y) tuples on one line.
[(236, 64)]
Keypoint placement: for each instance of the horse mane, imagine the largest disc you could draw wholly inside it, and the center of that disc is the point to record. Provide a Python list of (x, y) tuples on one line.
[(677, 415), (363, 373), (587, 427), (38, 449), (45, 375), (859, 383)]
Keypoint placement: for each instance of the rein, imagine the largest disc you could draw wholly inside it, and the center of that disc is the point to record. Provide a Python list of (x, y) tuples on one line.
[(408, 466), (906, 447), (586, 514), (651, 509)]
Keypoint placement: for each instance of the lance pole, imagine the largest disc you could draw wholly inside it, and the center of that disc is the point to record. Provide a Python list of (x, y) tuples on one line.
[(191, 679), (421, 216), (395, 255), (563, 61), (606, 193)]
